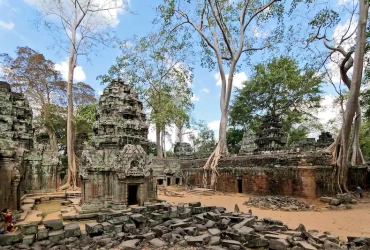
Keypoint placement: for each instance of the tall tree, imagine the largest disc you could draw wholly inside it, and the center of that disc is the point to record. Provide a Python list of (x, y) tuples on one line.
[(157, 65), (322, 22), (278, 87), (79, 30), (33, 75), (228, 31)]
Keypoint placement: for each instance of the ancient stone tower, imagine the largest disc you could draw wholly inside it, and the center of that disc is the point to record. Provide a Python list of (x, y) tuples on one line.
[(115, 169), (270, 134)]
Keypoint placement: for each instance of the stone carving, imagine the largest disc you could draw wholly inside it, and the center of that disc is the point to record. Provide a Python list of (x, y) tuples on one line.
[(270, 136), (247, 144), (183, 150), (116, 163)]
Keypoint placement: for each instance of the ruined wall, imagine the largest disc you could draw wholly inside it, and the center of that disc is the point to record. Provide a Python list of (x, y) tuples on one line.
[(303, 175), (15, 141), (26, 162)]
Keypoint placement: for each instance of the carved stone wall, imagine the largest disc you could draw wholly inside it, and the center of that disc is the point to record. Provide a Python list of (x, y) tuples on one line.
[(15, 141), (42, 171), (117, 159), (26, 162)]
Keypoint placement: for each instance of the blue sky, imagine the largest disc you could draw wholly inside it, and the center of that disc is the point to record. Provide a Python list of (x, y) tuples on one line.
[(17, 29)]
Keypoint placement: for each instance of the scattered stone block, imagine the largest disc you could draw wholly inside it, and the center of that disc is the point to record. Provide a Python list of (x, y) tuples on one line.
[(42, 234), (129, 244), (29, 239), (72, 230), (94, 229), (278, 244), (129, 228), (157, 242), (28, 228), (56, 236), (10, 239), (53, 225)]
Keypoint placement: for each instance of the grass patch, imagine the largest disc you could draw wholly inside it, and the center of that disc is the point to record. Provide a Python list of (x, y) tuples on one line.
[(49, 207)]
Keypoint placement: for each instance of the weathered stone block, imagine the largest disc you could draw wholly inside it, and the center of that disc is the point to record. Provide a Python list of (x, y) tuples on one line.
[(42, 234), (129, 244), (28, 229), (156, 216), (129, 228), (118, 228), (94, 229), (29, 239), (56, 236), (10, 239), (278, 244), (157, 242), (107, 227), (72, 230), (195, 204), (138, 210), (53, 225)]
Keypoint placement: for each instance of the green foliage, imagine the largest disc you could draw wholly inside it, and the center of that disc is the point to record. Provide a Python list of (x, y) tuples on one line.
[(365, 139), (234, 136), (85, 118), (152, 148), (279, 87), (296, 134), (203, 139)]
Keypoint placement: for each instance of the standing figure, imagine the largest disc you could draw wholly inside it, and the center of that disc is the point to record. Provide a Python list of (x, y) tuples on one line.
[(8, 218), (360, 192)]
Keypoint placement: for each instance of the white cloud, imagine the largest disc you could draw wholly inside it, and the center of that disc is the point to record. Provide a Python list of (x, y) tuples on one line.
[(239, 78), (214, 125), (79, 74), (101, 18), (6, 25), (194, 98), (204, 90)]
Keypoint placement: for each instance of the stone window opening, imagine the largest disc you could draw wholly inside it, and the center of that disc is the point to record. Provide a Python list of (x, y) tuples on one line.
[(160, 182)]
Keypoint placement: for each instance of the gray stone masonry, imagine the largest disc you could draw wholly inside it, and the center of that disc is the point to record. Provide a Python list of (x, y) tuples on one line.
[(115, 168), (203, 227)]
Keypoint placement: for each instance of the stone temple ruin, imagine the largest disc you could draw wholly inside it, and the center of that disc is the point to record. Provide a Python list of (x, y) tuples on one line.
[(26, 163), (116, 169)]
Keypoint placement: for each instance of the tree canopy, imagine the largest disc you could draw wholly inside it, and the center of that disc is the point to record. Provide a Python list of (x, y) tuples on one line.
[(279, 87)]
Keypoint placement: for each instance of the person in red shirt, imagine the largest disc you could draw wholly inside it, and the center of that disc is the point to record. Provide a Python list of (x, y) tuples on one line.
[(8, 218)]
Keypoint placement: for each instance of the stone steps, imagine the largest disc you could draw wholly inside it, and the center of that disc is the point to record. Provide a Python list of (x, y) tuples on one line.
[(201, 191)]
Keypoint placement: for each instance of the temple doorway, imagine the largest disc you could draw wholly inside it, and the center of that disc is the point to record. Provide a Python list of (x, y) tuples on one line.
[(168, 181), (132, 194), (240, 186)]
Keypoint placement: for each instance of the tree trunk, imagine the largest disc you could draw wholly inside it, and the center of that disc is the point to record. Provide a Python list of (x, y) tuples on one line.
[(357, 157), (351, 106), (164, 142), (158, 141), (52, 140), (72, 169)]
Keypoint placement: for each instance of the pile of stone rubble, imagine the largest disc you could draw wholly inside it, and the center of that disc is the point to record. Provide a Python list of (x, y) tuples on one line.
[(162, 226), (276, 202), (340, 201)]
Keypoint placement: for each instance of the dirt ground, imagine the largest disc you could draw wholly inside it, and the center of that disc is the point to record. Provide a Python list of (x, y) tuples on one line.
[(353, 222)]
